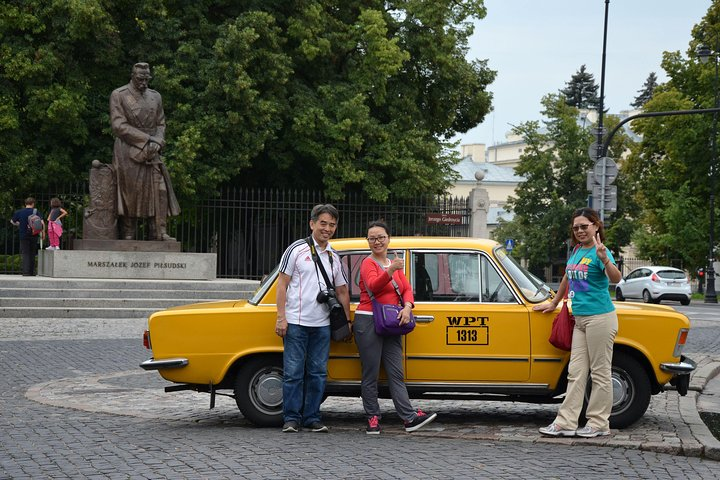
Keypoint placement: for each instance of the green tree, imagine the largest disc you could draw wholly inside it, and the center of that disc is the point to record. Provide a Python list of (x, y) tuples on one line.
[(554, 163), (582, 91), (646, 92), (669, 170), (318, 94)]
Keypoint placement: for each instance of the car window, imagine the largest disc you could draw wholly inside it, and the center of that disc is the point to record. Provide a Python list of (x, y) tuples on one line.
[(266, 282), (531, 287), (351, 262), (671, 274), (457, 277)]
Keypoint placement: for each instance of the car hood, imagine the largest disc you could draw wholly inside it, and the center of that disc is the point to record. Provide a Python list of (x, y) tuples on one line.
[(206, 305), (633, 307)]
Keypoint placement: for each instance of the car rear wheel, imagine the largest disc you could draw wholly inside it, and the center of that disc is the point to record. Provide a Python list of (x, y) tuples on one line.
[(631, 391), (685, 301), (647, 298), (258, 391), (619, 295)]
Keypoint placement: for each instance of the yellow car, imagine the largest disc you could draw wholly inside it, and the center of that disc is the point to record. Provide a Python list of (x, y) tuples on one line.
[(476, 337)]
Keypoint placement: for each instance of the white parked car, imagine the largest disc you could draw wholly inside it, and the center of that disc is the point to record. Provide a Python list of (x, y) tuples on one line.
[(654, 284)]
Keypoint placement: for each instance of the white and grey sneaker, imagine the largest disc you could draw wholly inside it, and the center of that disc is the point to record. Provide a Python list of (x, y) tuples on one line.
[(591, 432), (554, 430)]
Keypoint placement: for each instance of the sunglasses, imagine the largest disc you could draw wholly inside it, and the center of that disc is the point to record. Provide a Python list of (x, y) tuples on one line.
[(581, 227)]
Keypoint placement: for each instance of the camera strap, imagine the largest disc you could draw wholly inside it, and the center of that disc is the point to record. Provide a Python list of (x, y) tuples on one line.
[(318, 263)]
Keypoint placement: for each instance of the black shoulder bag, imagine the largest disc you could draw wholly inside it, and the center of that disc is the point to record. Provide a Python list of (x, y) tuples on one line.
[(339, 326)]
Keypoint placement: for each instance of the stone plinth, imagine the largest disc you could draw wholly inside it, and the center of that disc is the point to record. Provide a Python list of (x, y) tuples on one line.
[(129, 264), (127, 245)]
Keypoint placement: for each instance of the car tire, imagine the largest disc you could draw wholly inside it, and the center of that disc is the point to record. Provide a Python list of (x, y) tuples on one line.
[(258, 391), (631, 391), (685, 301), (647, 298), (619, 295)]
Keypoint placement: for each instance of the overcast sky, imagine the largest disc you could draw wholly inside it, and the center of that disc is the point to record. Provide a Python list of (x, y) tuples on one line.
[(537, 45)]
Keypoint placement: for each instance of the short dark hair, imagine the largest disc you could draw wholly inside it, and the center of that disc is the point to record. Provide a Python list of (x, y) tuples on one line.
[(324, 208), (379, 223), (55, 202), (29, 201), (591, 215)]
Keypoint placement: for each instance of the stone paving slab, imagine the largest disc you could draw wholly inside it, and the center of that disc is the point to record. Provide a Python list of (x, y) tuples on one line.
[(671, 425)]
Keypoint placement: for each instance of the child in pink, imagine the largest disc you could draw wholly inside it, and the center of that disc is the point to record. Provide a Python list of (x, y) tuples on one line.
[(55, 224)]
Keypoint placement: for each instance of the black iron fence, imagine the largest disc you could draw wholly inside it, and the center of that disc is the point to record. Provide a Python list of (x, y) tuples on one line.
[(248, 229)]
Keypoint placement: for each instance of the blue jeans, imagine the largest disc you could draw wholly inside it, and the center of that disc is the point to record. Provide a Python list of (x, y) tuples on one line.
[(304, 372)]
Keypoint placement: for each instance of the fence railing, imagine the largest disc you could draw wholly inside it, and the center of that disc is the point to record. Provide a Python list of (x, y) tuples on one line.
[(248, 229)]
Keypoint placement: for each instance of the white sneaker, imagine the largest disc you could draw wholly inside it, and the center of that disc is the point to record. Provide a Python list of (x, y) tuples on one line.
[(555, 431), (591, 432)]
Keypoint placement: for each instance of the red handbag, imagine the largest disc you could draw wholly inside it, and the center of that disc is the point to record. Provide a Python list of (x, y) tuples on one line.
[(562, 328)]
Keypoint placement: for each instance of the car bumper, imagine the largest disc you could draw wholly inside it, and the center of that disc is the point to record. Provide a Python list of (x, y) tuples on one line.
[(681, 373), (153, 364)]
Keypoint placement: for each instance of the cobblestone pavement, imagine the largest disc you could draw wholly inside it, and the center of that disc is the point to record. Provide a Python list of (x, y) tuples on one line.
[(74, 404)]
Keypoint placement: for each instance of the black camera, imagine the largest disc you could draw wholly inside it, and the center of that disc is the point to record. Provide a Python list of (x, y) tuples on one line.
[(328, 296)]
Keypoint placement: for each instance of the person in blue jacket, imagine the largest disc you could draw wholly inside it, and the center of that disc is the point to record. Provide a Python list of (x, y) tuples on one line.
[(28, 241)]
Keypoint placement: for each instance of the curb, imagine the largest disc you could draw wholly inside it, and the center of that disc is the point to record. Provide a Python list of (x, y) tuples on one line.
[(690, 415)]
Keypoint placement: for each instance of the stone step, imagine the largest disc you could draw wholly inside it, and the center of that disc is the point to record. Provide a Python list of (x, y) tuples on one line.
[(17, 281), (64, 303), (50, 313), (191, 295), (45, 297)]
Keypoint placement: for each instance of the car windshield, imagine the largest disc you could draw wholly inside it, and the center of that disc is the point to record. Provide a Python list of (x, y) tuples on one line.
[(265, 284), (671, 274), (532, 288)]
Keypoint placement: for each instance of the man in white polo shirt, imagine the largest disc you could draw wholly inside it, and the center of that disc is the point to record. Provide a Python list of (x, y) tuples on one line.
[(304, 321)]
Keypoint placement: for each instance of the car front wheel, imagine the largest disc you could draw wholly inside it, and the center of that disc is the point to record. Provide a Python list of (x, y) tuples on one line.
[(258, 391), (619, 295), (631, 391)]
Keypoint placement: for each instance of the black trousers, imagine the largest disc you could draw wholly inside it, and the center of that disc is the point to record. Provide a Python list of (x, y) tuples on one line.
[(28, 249)]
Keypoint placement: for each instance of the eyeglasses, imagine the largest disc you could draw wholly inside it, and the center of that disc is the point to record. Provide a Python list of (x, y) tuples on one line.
[(380, 239), (583, 227)]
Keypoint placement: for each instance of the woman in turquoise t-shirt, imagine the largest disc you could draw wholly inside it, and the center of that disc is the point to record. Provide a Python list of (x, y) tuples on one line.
[(588, 273)]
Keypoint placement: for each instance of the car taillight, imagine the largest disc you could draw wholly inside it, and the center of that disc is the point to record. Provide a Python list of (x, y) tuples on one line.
[(681, 339), (146, 340), (654, 277)]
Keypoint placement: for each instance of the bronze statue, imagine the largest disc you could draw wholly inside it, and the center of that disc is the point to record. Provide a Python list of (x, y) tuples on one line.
[(143, 183)]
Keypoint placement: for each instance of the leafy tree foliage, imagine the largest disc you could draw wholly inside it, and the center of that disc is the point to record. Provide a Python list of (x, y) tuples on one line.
[(670, 169), (554, 163), (646, 92), (317, 93), (582, 91)]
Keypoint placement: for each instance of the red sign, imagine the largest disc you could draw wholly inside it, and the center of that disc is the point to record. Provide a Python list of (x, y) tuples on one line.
[(444, 219)]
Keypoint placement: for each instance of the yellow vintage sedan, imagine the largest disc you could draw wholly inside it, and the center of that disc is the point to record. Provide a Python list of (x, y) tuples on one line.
[(476, 337)]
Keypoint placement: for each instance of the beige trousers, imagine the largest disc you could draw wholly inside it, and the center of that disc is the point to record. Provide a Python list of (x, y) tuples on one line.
[(591, 353)]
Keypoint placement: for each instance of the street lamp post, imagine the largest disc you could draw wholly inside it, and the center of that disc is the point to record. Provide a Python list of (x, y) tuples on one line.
[(704, 54)]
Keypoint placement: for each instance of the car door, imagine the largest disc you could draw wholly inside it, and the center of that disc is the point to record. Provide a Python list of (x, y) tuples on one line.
[(635, 282), (470, 325)]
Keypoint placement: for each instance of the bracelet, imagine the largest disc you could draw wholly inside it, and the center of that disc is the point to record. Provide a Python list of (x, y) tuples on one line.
[(606, 262)]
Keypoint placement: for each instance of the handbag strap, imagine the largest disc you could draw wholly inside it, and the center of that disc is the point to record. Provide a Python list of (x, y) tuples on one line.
[(394, 284), (318, 263)]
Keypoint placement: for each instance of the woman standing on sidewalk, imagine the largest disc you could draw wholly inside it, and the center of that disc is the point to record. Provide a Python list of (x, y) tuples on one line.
[(377, 273), (586, 279)]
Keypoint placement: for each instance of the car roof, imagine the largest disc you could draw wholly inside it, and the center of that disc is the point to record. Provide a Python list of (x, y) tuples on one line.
[(419, 242), (656, 268)]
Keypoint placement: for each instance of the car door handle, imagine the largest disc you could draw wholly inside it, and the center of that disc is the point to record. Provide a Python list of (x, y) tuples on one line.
[(424, 318)]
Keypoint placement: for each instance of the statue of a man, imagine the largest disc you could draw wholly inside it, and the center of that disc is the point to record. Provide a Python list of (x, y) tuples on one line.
[(143, 182)]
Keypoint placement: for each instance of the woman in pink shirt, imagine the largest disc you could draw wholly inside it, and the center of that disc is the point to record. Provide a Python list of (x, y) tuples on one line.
[(376, 274)]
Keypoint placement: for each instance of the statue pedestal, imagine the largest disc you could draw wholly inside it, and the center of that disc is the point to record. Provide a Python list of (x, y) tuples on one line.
[(127, 245), (158, 265)]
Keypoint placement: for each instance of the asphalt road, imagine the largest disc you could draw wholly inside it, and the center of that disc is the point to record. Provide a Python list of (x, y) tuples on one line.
[(86, 438)]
